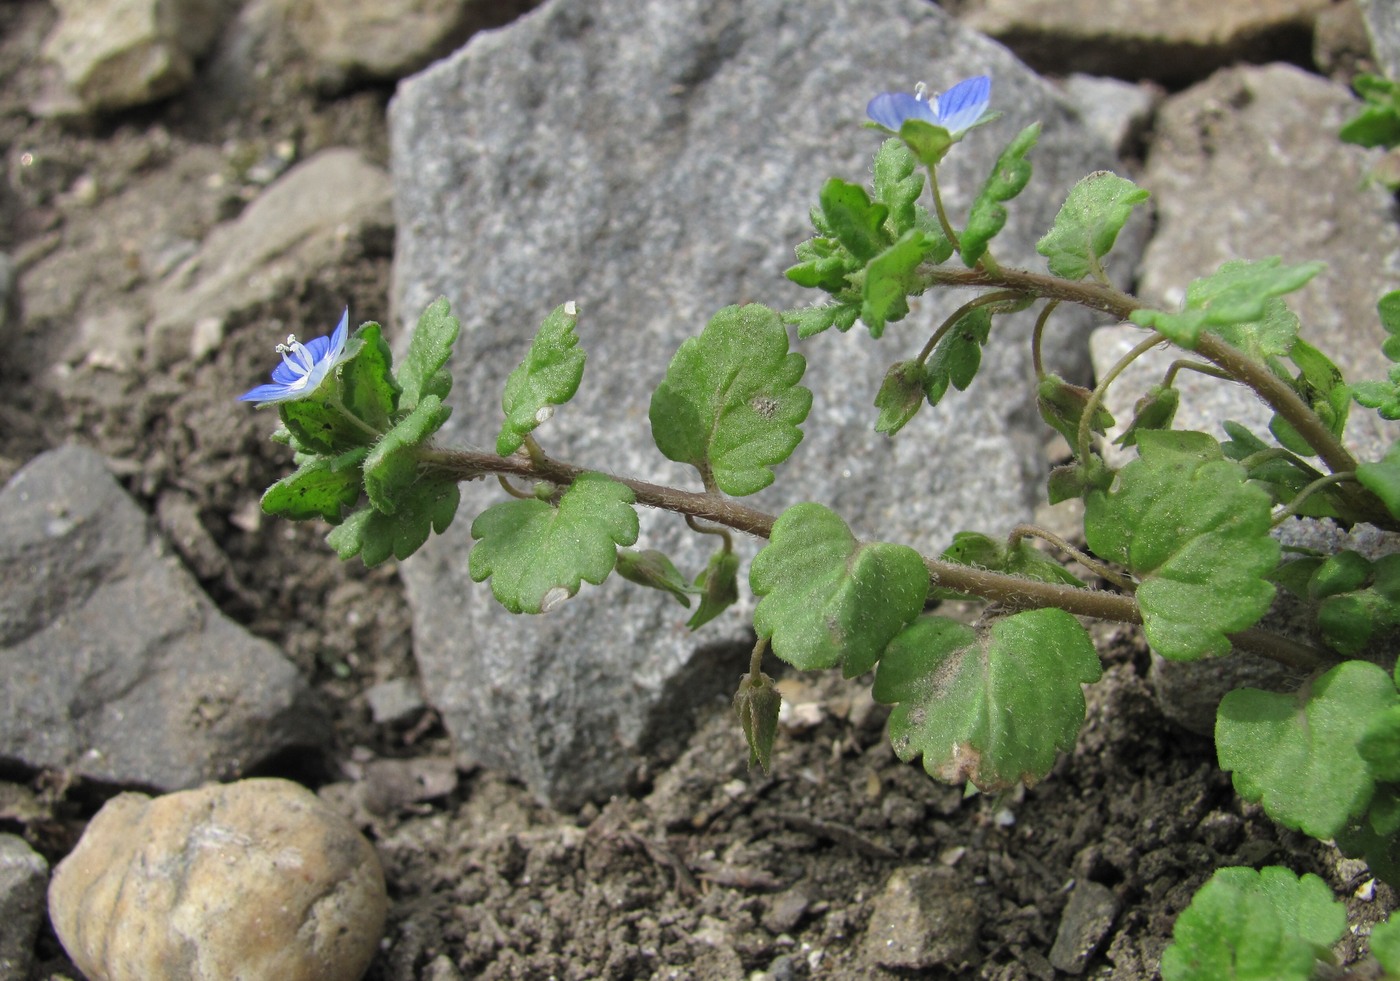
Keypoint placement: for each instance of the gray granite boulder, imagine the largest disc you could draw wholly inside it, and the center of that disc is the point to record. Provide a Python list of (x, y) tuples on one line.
[(114, 665), (655, 160)]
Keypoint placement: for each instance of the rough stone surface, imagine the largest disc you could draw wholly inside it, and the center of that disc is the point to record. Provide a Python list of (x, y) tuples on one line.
[(23, 877), (1087, 918), (1239, 170), (115, 54), (256, 880), (1383, 25), (522, 182), (923, 920), (1173, 41), (300, 222), (113, 663), (1118, 112)]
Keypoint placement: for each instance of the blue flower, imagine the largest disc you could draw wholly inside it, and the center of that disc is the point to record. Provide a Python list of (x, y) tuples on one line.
[(303, 367), (955, 110)]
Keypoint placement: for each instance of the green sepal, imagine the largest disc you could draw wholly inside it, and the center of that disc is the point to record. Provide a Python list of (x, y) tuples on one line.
[(392, 466), (828, 599), (1318, 383), (1269, 926), (1007, 179), (1088, 224), (990, 707), (1062, 406), (981, 551), (730, 404), (366, 375), (958, 355), (1078, 479), (901, 395), (537, 554), (1237, 293), (655, 570), (424, 506), (549, 376), (1155, 410), (1382, 478), (811, 321), (1298, 754), (898, 184), (718, 586), (322, 487), (757, 704), (856, 221), (928, 142), (422, 372), (1182, 518)]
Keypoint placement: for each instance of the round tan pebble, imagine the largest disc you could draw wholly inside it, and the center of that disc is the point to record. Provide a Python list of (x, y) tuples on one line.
[(250, 881)]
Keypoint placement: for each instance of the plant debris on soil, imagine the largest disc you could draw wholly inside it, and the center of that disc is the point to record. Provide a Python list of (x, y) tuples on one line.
[(706, 870)]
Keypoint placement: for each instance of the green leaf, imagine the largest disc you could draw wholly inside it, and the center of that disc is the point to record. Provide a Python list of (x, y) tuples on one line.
[(718, 586), (1298, 754), (828, 599), (320, 488), (1319, 384), (1385, 944), (855, 221), (929, 143), (981, 551), (654, 570), (1380, 745), (991, 707), (549, 376), (1273, 335), (422, 370), (1088, 224), (1378, 121), (1388, 309), (730, 404), (318, 427), (1382, 478), (1237, 293), (424, 506), (367, 379), (811, 321), (1062, 406), (392, 466), (901, 395), (1007, 179), (757, 704), (537, 555), (1380, 849), (891, 278), (958, 354), (1182, 518), (898, 184), (1254, 926)]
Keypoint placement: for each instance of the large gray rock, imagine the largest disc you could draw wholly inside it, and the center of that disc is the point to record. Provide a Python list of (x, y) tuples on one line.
[(1383, 25), (113, 664), (655, 160), (1245, 166), (24, 875)]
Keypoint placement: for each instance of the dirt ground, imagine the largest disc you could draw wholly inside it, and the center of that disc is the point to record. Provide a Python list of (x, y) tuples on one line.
[(705, 871)]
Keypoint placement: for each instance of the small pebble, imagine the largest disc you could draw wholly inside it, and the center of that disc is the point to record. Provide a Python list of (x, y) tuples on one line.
[(256, 880)]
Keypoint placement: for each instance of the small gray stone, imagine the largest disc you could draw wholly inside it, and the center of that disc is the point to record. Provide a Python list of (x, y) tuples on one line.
[(923, 919), (23, 877), (298, 225), (1086, 920), (113, 663), (257, 880), (394, 701), (1118, 112), (1383, 24), (8, 297)]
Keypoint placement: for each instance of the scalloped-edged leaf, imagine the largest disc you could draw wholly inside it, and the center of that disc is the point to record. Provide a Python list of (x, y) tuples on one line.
[(549, 376), (537, 554), (811, 321), (322, 487), (898, 184), (1385, 944), (423, 507), (1236, 293), (1088, 224), (422, 370), (901, 395), (1196, 535), (1007, 179), (857, 222), (958, 355), (366, 377), (392, 466), (1382, 478), (828, 599), (1380, 745), (1298, 754), (1243, 924), (891, 278), (992, 707), (730, 404)]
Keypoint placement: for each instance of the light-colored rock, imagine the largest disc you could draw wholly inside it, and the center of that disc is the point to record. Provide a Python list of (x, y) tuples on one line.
[(23, 877), (1118, 112), (658, 165), (1170, 41), (1383, 25), (256, 880), (394, 701), (923, 920), (115, 54), (1245, 166), (114, 665), (303, 221)]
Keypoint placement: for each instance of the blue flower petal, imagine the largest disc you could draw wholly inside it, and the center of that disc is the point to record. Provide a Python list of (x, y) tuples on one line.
[(267, 394), (303, 366), (891, 109), (964, 103)]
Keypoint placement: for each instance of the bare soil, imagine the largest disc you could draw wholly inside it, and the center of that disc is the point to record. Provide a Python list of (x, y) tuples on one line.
[(708, 870)]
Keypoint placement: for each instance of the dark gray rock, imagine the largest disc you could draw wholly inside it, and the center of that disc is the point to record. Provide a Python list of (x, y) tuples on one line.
[(1087, 918), (655, 160), (24, 876), (113, 664)]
